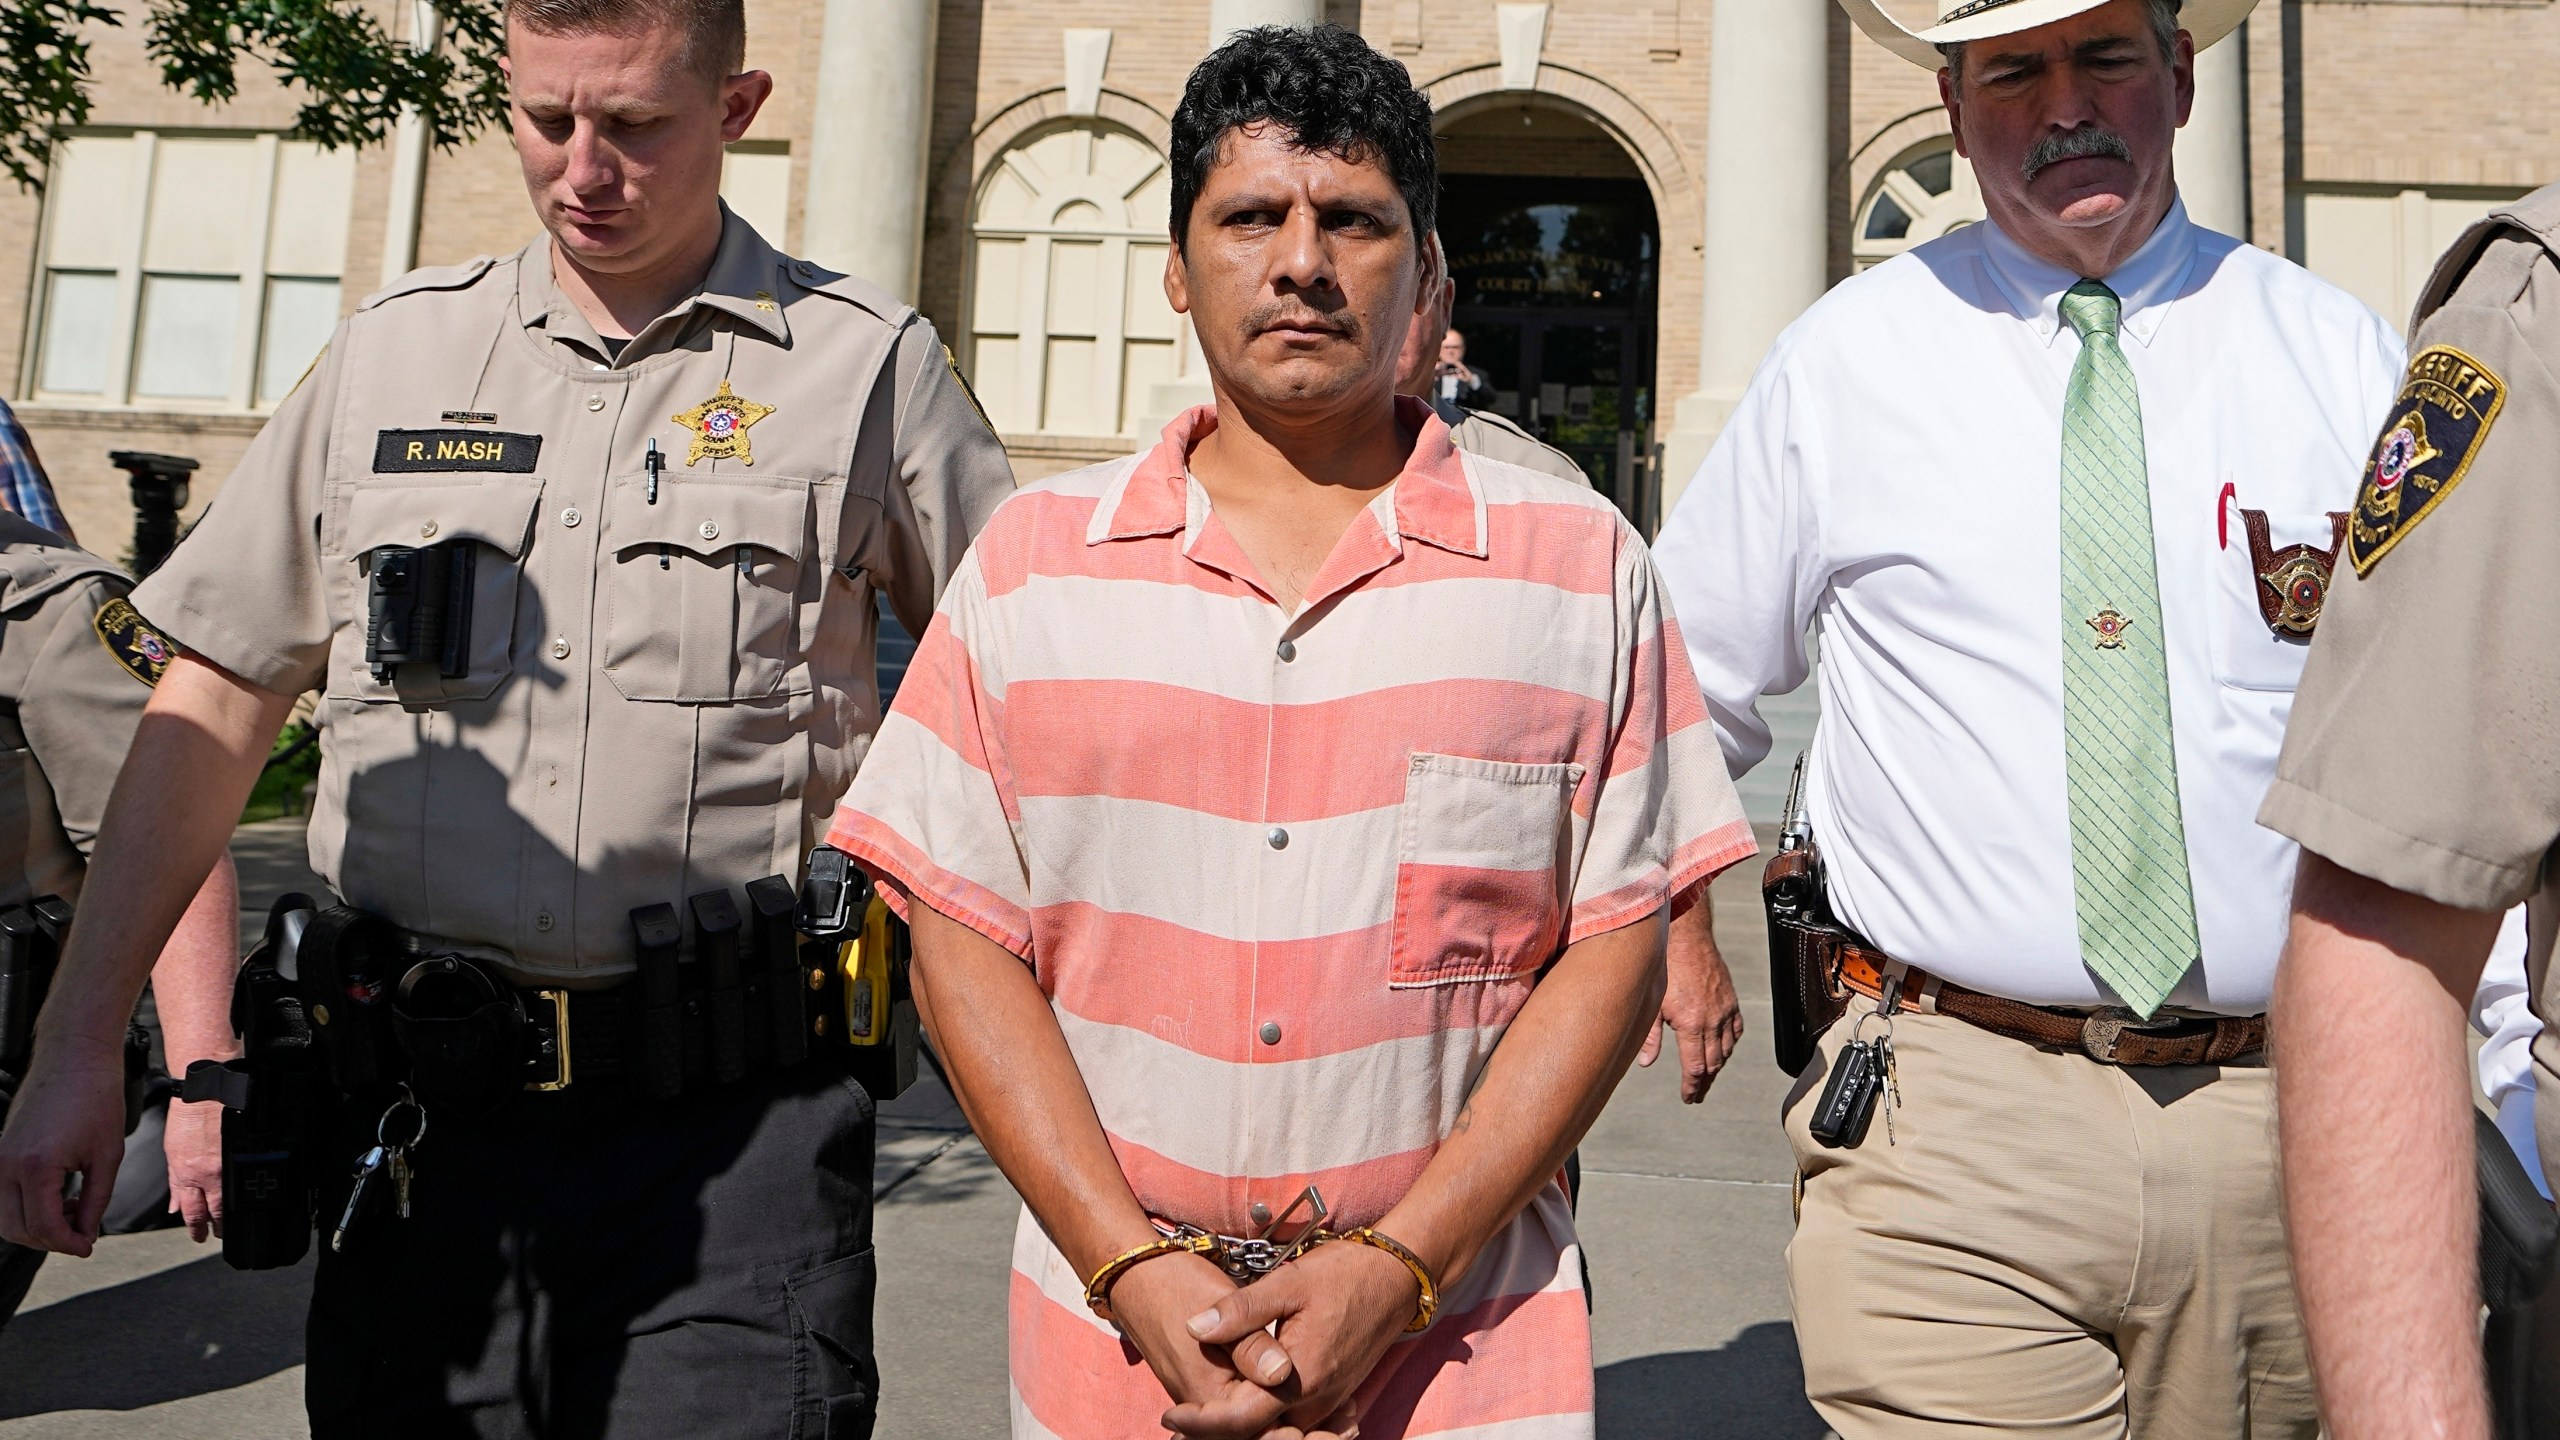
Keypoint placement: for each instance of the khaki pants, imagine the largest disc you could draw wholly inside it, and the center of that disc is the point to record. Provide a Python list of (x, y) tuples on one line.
[(2046, 1246)]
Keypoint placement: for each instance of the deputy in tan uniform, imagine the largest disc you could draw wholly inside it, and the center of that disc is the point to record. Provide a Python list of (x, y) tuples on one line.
[(1481, 431), (76, 667), (2422, 777), (670, 468)]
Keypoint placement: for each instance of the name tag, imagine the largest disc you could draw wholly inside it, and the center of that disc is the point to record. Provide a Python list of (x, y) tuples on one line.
[(412, 450)]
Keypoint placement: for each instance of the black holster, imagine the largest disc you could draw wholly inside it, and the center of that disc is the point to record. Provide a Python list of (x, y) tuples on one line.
[(276, 1100)]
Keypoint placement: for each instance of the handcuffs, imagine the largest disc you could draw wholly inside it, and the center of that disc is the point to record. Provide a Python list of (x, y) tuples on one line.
[(1247, 1260)]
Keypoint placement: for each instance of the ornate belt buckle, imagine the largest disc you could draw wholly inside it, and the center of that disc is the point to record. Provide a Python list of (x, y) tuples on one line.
[(2106, 1025)]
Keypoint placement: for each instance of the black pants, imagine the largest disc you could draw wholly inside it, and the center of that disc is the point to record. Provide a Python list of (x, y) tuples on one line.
[(587, 1265)]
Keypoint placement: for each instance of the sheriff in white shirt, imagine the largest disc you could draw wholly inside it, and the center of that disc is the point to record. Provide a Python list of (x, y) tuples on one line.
[(2054, 493)]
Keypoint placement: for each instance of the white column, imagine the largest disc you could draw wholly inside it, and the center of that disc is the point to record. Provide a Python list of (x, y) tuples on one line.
[(2213, 150), (409, 162), (871, 124), (1767, 210), (1226, 17)]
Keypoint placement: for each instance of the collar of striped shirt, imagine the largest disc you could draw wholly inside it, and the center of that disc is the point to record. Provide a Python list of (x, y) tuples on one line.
[(1432, 499)]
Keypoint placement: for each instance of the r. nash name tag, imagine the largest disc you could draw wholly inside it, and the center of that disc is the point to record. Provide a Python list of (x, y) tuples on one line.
[(412, 450)]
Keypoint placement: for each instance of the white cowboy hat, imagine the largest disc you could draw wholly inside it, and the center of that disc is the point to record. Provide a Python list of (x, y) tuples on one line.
[(1960, 20)]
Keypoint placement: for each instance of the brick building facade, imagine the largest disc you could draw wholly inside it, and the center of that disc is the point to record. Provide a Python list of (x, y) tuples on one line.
[(185, 260)]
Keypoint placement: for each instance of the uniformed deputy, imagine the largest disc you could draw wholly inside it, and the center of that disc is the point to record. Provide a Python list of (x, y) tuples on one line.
[(669, 468), (76, 667), (2422, 776)]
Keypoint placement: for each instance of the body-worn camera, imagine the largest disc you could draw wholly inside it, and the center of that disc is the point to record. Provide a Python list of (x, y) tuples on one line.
[(418, 608)]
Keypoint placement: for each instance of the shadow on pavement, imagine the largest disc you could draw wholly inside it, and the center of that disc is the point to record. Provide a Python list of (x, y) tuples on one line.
[(1752, 1386), (191, 1330)]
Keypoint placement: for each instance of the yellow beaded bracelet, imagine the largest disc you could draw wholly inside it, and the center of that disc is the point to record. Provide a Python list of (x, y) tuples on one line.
[(1097, 1292), (1430, 1303)]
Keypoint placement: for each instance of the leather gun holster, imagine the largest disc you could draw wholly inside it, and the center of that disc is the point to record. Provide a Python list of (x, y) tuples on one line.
[(1805, 948)]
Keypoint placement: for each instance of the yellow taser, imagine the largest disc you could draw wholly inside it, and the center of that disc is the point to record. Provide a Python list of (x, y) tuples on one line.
[(865, 961)]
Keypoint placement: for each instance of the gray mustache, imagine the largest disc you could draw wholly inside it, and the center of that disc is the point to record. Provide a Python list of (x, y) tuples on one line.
[(2079, 144)]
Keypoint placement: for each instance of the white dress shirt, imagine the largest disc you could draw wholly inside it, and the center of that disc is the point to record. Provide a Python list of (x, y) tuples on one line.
[(1892, 478)]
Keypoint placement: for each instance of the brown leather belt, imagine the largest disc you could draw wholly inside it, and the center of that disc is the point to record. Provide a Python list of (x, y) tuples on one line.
[(2110, 1036)]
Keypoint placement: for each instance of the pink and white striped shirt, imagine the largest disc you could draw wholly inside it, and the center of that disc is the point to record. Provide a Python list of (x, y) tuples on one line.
[(1286, 878)]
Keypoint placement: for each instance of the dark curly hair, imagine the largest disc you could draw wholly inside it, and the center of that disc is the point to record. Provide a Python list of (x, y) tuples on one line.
[(1329, 90)]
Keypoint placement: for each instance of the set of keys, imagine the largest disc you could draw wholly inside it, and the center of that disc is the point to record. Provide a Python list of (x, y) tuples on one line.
[(1862, 1076), (406, 1119)]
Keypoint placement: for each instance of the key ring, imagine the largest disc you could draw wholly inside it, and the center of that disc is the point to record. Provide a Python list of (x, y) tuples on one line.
[(382, 1127)]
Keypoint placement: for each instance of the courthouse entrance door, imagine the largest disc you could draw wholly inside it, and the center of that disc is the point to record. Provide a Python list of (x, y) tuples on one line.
[(1556, 298)]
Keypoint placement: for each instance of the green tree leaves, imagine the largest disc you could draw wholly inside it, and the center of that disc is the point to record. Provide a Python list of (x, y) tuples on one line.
[(353, 78)]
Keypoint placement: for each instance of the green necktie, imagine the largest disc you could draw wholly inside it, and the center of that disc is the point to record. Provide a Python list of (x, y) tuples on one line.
[(2128, 849)]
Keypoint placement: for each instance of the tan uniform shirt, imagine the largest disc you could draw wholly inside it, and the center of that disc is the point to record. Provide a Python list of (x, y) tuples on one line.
[(2424, 750), (669, 675), (76, 668), (1495, 438)]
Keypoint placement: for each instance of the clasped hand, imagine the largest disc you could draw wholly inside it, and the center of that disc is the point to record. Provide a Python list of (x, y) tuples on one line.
[(1211, 1342)]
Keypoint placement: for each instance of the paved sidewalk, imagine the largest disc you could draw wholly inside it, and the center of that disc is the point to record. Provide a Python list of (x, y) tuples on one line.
[(1685, 1213)]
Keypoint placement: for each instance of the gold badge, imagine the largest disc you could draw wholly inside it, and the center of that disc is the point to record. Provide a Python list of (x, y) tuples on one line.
[(764, 300), (2293, 583), (719, 426), (2110, 625)]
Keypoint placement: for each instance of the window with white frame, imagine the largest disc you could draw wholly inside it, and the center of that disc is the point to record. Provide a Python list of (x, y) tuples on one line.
[(188, 270), (1068, 323), (1927, 191)]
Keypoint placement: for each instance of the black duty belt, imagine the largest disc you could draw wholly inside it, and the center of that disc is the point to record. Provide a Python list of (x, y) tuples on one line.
[(764, 988), (743, 1004)]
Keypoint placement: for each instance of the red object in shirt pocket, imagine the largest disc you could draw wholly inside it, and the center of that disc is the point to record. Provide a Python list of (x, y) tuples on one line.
[(1480, 872)]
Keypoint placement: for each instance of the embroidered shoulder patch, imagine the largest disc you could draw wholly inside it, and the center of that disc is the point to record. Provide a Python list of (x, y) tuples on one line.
[(2444, 411), (145, 653)]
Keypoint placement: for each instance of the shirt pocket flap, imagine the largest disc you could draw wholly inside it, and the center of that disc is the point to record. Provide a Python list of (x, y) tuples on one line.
[(1481, 869), (495, 510), (712, 520)]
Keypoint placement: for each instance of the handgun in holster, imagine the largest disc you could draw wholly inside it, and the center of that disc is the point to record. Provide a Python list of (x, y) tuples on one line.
[(276, 1100), (1806, 941), (858, 952)]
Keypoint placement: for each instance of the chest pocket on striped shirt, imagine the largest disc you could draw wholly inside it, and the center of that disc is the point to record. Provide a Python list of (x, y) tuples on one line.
[(1480, 871)]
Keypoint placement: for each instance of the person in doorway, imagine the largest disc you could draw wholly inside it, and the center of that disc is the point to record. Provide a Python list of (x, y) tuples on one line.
[(672, 470), (1373, 956), (1419, 370), (1454, 381), (2024, 481)]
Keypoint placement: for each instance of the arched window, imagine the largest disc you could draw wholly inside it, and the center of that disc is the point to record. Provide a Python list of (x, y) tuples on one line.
[(1068, 325), (1927, 191)]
